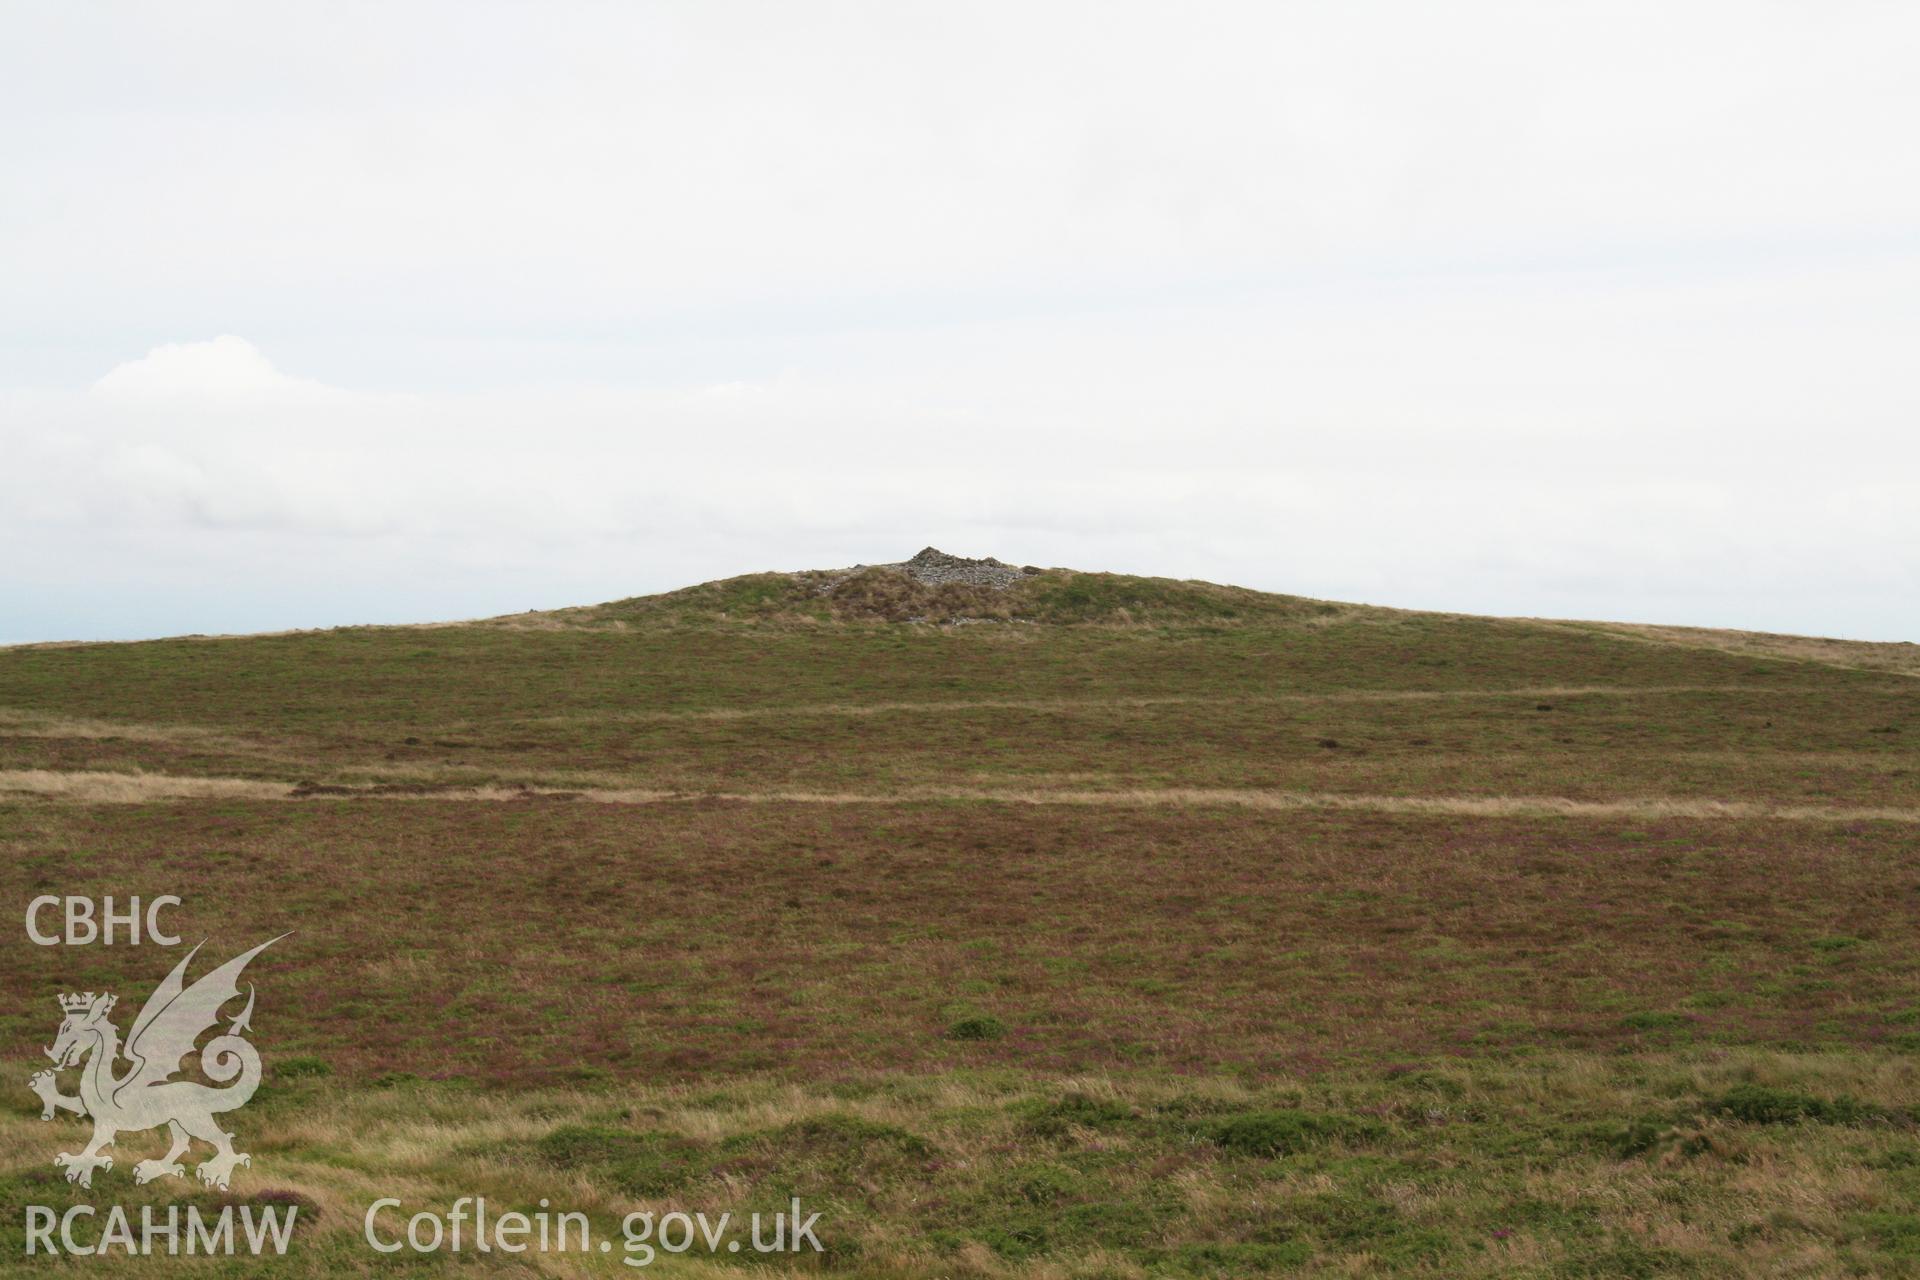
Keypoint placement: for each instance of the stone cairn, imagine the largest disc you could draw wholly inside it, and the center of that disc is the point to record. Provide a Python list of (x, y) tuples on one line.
[(933, 567)]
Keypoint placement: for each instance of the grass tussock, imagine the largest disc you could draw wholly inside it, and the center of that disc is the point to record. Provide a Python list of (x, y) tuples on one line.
[(1747, 1164)]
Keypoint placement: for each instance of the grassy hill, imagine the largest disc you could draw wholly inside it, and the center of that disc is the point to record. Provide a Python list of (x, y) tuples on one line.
[(1089, 925), (883, 594)]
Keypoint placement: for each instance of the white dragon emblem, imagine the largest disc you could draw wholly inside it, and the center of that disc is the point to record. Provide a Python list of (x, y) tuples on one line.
[(146, 1096)]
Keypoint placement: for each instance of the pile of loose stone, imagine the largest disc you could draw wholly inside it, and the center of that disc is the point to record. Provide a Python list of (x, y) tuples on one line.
[(935, 568)]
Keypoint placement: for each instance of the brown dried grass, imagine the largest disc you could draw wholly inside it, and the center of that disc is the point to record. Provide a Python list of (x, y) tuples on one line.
[(99, 787), (1895, 658)]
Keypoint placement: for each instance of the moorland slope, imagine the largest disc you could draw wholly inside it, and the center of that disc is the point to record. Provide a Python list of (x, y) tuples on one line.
[(1038, 922)]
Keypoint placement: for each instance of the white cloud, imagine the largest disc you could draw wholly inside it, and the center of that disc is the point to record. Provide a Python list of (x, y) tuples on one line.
[(1592, 450), (223, 369), (1603, 309)]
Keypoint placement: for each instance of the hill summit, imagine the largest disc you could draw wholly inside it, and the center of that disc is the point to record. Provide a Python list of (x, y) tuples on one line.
[(935, 587)]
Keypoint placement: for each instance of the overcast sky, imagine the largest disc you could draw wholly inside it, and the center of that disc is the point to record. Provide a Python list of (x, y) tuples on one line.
[(394, 312)]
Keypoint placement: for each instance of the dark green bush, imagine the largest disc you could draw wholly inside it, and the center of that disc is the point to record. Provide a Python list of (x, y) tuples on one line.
[(1277, 1133), (1758, 1104), (979, 1027), (638, 1163)]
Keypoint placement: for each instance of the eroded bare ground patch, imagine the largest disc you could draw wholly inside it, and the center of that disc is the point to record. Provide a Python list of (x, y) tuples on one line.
[(100, 787), (136, 788)]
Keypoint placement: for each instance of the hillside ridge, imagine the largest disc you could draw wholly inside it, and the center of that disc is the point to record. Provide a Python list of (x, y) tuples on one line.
[(938, 589)]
